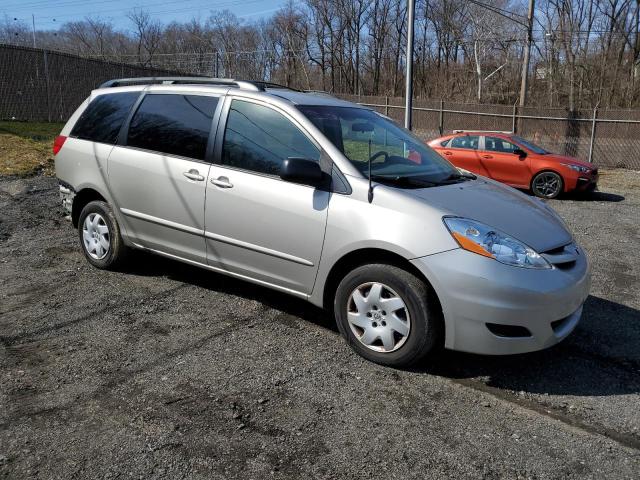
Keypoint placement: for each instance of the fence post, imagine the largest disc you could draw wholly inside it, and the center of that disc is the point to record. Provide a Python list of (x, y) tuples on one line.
[(514, 121), (386, 106), (593, 133), (48, 89), (441, 118)]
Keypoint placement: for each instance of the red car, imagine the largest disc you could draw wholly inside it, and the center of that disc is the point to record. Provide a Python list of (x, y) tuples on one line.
[(515, 161)]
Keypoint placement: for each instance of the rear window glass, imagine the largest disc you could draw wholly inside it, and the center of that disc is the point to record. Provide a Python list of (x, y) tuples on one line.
[(173, 124), (102, 119), (466, 141)]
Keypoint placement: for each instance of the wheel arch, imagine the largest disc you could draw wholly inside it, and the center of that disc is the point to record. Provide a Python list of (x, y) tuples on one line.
[(363, 256), (81, 199)]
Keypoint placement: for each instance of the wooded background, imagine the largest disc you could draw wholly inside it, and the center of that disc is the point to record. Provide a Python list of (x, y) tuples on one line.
[(585, 53)]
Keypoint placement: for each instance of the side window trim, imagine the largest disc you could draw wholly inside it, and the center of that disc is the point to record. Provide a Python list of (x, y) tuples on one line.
[(208, 159), (124, 130)]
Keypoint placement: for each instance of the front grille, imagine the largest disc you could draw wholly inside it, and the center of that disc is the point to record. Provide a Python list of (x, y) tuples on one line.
[(563, 257)]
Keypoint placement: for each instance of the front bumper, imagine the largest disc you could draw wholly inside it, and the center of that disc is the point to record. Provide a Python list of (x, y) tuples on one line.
[(583, 182), (475, 291)]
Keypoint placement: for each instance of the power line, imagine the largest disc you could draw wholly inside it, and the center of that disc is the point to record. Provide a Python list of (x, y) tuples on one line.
[(208, 6)]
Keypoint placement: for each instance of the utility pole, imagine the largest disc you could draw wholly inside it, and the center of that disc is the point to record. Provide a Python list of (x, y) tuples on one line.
[(527, 55), (409, 87), (33, 22)]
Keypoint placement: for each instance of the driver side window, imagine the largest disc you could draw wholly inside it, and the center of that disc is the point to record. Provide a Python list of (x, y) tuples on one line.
[(499, 145), (259, 139)]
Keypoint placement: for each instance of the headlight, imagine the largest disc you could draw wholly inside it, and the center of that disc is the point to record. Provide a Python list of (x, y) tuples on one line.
[(479, 238), (577, 168)]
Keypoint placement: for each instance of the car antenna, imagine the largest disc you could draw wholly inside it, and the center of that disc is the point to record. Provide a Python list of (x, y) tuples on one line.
[(370, 194)]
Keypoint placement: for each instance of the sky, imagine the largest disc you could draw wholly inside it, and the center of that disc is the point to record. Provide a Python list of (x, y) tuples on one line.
[(50, 14)]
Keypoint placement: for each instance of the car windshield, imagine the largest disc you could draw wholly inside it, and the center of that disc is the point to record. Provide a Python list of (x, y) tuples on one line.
[(396, 155), (531, 146)]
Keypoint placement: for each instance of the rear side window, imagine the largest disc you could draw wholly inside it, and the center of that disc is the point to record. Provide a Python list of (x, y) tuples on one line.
[(173, 124), (259, 139), (103, 117), (469, 142)]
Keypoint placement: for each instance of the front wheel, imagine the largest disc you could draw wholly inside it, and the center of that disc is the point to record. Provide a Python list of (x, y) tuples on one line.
[(388, 315), (547, 185)]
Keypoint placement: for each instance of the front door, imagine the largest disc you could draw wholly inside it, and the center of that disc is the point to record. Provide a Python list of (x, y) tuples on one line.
[(257, 225), (502, 164), (158, 175)]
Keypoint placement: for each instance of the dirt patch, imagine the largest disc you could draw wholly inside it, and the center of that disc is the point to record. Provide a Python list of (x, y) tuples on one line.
[(167, 371)]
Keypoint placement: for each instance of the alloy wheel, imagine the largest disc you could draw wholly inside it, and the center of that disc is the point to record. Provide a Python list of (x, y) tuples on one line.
[(95, 236), (547, 185), (378, 317)]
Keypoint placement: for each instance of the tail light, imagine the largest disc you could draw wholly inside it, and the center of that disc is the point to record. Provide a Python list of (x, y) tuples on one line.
[(57, 143)]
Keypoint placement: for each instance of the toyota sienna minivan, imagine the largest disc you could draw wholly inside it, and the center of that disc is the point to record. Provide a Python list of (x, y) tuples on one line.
[(324, 200)]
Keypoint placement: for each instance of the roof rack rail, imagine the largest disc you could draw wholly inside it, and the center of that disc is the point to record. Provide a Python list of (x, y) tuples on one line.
[(245, 84), (482, 131)]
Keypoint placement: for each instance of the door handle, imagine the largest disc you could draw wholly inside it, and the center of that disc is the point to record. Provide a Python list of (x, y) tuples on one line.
[(487, 156), (222, 182), (193, 174), (448, 153)]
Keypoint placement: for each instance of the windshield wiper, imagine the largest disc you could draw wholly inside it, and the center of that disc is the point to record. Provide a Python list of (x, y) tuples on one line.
[(403, 181), (456, 177)]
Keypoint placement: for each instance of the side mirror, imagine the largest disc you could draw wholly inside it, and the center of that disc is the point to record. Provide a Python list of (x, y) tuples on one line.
[(301, 170), (521, 153)]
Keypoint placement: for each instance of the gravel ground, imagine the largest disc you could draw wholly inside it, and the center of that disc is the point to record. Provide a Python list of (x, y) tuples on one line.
[(168, 371)]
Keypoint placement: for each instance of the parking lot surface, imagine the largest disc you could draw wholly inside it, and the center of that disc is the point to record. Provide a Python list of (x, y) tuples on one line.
[(168, 371)]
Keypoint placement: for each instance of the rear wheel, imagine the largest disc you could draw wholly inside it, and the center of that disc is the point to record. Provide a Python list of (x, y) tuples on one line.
[(388, 315), (100, 236), (547, 185)]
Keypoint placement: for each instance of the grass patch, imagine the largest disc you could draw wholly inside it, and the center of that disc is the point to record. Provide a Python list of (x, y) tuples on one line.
[(38, 131), (25, 147)]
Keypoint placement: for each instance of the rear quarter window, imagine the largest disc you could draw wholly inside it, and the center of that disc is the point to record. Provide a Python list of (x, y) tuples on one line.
[(103, 117)]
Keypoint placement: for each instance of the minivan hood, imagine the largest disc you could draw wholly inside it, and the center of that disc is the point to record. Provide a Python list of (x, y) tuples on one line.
[(504, 208)]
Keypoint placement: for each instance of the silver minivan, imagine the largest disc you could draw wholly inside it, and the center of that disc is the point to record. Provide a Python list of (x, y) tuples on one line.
[(325, 200)]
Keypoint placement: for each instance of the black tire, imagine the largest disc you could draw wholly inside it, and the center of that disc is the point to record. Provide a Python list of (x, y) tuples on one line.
[(545, 193), (426, 328), (116, 253)]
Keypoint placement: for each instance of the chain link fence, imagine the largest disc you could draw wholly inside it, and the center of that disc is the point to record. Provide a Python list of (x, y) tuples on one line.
[(608, 138), (40, 85)]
